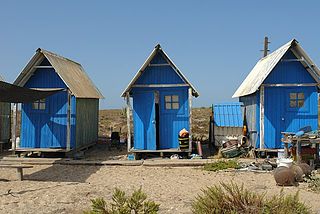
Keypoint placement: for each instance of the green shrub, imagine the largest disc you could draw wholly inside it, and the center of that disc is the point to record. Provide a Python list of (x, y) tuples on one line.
[(137, 203), (230, 198), (314, 184), (284, 204), (221, 165)]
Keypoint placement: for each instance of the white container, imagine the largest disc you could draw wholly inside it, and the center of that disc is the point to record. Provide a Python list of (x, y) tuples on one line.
[(18, 142), (281, 153), (286, 162)]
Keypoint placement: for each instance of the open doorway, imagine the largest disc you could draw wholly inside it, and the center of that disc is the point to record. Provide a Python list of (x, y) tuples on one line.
[(157, 118)]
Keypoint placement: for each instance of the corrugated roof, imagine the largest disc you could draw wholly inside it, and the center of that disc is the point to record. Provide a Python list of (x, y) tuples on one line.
[(228, 115), (156, 50), (265, 65), (69, 71)]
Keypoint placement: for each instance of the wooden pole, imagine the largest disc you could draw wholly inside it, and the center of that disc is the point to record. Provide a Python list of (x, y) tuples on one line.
[(262, 117), (69, 122), (265, 46), (190, 121), (14, 128), (298, 150), (317, 153), (128, 122)]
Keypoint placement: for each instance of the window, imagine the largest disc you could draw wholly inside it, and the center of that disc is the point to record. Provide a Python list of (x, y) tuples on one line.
[(172, 102), (39, 104), (296, 100)]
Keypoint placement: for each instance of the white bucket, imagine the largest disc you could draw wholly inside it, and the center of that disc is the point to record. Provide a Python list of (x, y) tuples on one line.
[(286, 162)]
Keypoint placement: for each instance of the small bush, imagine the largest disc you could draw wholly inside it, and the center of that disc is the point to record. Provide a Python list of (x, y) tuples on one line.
[(221, 165), (314, 184), (284, 204), (137, 203), (230, 198)]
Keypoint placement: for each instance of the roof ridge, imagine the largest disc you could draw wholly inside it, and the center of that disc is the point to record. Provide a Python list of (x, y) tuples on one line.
[(57, 55)]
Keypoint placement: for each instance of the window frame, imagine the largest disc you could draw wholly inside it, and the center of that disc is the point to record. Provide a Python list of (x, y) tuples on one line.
[(296, 108), (296, 99), (40, 106), (172, 100)]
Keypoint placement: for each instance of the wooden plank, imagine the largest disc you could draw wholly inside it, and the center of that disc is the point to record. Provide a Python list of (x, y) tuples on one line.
[(128, 121), (286, 150), (159, 65), (262, 117), (292, 60), (39, 150), (69, 122), (158, 85), (14, 128), (15, 166), (43, 66), (48, 89), (298, 151), (317, 153), (290, 85), (20, 174)]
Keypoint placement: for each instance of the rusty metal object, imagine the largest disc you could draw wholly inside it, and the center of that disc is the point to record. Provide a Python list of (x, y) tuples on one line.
[(285, 177)]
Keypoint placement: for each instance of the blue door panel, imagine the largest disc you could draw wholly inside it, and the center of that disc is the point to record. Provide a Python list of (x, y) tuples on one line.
[(173, 120), (144, 120)]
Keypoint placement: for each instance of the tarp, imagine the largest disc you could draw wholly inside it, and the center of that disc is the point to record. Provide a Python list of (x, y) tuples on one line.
[(14, 94)]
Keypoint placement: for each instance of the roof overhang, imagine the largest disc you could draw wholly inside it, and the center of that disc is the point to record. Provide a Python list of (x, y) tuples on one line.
[(265, 66), (156, 50), (70, 72)]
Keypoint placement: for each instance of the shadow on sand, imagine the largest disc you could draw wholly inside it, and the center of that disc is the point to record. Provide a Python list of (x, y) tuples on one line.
[(63, 173)]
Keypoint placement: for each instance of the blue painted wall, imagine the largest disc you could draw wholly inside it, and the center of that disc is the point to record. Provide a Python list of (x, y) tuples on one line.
[(170, 121), (159, 74), (47, 128), (279, 117), (289, 72)]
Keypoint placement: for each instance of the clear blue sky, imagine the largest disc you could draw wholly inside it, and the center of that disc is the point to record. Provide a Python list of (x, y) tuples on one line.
[(214, 43)]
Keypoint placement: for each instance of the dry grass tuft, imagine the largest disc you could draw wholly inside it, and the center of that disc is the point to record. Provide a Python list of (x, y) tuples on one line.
[(231, 198)]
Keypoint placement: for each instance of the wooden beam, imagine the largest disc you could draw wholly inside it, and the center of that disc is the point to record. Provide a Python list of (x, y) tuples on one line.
[(298, 151), (48, 89), (43, 66), (14, 128), (128, 121), (159, 85), (69, 122), (190, 123), (262, 117), (159, 65), (290, 85), (291, 60)]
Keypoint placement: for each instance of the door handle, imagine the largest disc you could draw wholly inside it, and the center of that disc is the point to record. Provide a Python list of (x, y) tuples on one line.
[(153, 122)]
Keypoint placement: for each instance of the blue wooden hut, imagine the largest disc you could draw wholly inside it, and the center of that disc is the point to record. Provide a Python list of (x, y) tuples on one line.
[(280, 95), (67, 120), (161, 97)]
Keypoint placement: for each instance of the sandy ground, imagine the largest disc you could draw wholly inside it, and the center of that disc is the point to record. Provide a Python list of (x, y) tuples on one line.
[(68, 189)]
